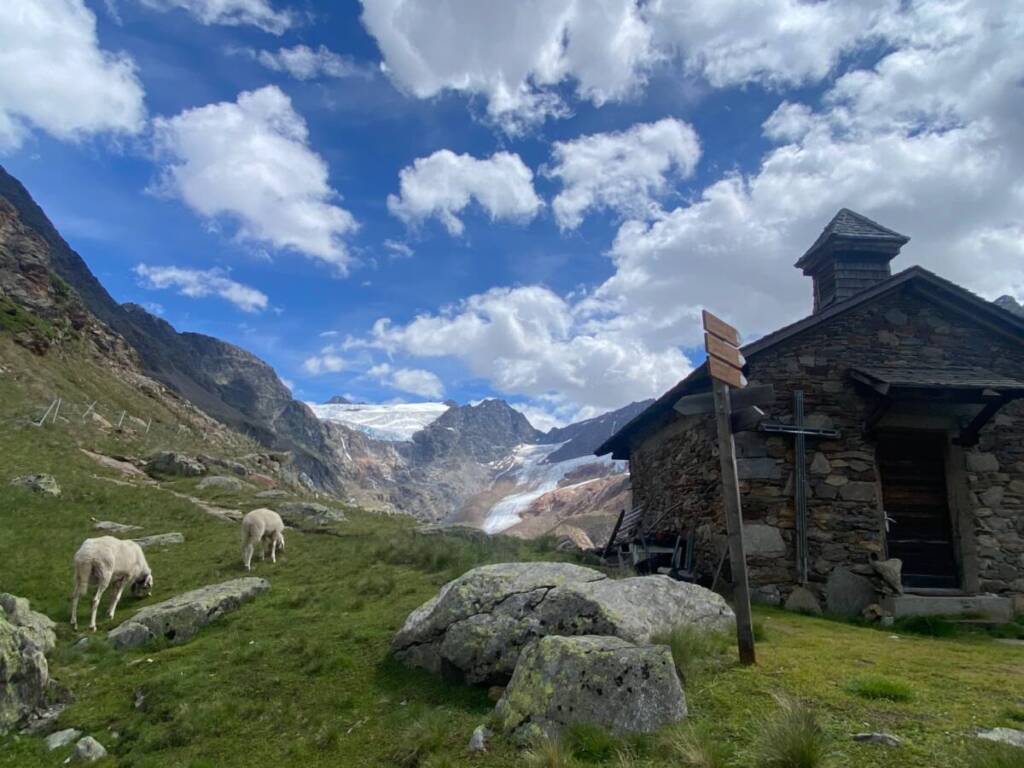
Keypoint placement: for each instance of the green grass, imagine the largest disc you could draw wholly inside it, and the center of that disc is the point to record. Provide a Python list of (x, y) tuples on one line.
[(696, 651), (878, 687), (302, 677), (792, 737)]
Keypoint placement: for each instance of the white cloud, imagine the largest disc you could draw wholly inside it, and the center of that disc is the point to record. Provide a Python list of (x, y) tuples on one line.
[(623, 171), (926, 142), (399, 249), (415, 381), (530, 341), (305, 63), (444, 184), (512, 52), (54, 75), (235, 13), (514, 55), (198, 283), (326, 362), (250, 160)]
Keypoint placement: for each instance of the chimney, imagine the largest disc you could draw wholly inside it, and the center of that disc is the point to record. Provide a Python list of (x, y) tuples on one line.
[(851, 254)]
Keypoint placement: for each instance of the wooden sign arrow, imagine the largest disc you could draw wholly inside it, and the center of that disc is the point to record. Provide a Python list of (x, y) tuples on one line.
[(762, 394), (721, 329), (726, 374), (727, 353)]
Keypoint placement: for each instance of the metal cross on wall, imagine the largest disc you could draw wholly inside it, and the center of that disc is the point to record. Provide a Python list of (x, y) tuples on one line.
[(800, 433)]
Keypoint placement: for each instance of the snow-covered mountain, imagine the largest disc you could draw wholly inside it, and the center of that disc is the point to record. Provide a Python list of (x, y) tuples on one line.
[(389, 422)]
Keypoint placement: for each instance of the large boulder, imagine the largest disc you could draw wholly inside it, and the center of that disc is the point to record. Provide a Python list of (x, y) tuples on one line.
[(25, 638), (301, 513), (477, 625), (160, 540), (178, 619), (39, 483), (603, 681), (174, 463), (847, 594), (222, 483)]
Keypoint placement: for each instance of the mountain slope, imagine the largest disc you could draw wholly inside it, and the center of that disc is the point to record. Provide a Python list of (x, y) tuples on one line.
[(224, 381)]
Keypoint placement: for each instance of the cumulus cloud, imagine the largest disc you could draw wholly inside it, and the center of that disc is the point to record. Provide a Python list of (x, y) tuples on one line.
[(444, 184), (328, 361), (305, 63), (55, 77), (530, 341), (415, 381), (514, 55), (250, 161), (623, 171), (398, 249), (234, 13), (199, 283)]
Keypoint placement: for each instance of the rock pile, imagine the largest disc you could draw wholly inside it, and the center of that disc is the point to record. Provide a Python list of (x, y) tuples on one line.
[(39, 483), (174, 463), (574, 645)]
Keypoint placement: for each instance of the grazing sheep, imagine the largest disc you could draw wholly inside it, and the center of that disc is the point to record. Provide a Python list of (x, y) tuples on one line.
[(263, 528), (107, 561)]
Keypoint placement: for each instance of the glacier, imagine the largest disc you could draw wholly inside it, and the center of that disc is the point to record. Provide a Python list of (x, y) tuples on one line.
[(395, 422)]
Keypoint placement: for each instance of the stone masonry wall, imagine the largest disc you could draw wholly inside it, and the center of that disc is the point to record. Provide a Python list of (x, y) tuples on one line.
[(846, 526)]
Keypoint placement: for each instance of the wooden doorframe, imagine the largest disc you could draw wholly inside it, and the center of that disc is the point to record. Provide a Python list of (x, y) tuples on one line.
[(965, 563)]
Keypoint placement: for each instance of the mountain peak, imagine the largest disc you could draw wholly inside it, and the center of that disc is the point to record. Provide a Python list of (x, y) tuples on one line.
[(337, 400)]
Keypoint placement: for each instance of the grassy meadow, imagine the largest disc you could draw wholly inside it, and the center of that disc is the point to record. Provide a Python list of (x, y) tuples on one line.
[(301, 676)]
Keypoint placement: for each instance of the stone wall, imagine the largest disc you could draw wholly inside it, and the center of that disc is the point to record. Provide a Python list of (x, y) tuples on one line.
[(846, 524)]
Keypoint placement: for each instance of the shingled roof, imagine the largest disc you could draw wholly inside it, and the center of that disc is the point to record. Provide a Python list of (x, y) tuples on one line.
[(851, 227), (927, 283)]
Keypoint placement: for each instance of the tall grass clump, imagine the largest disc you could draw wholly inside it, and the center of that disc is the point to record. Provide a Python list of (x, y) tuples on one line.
[(415, 746), (694, 746), (876, 687), (793, 738), (696, 651), (548, 752)]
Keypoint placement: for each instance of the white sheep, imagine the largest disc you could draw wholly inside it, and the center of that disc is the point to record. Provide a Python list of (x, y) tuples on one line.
[(106, 560), (263, 528)]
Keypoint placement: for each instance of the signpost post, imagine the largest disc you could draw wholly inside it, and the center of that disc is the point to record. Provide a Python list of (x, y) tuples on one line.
[(725, 365)]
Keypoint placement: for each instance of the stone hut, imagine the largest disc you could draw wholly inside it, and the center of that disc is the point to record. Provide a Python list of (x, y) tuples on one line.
[(911, 388)]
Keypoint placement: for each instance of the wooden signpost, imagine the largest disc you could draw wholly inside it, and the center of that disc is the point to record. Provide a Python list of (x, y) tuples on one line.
[(725, 364)]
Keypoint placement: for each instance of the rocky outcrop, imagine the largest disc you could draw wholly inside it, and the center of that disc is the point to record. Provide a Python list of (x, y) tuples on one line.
[(174, 463), (583, 437), (177, 620), (46, 484), (160, 540), (25, 638), (603, 681), (222, 483), (478, 624), (305, 513)]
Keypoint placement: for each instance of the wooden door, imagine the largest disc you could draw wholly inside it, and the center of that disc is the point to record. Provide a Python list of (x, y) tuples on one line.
[(920, 530)]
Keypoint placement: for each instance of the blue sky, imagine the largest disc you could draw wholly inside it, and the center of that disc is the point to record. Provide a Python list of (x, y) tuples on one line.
[(652, 158)]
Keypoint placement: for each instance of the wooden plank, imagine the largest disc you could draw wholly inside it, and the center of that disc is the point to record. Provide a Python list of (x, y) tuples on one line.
[(761, 394), (727, 353), (734, 525), (725, 373), (721, 329)]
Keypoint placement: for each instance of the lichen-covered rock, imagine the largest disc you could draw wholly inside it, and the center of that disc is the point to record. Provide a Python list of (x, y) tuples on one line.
[(222, 483), (160, 540), (302, 513), (602, 681), (174, 463), (88, 750), (39, 483), (61, 738), (178, 619), (1011, 736), (25, 638), (477, 625)]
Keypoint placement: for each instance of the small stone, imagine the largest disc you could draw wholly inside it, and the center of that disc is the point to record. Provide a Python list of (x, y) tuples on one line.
[(139, 700), (39, 483), (1011, 736), (802, 600), (837, 480), (993, 497), (881, 739), (61, 738), (857, 491), (820, 465), (111, 527), (173, 463), (88, 750), (221, 483), (760, 539), (758, 469), (896, 317), (767, 594), (478, 741), (161, 540), (982, 462), (825, 491), (891, 572)]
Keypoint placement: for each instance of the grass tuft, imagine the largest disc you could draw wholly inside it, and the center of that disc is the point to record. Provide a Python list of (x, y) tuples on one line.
[(591, 743), (696, 651), (995, 756), (697, 747), (793, 738), (548, 752), (877, 687)]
